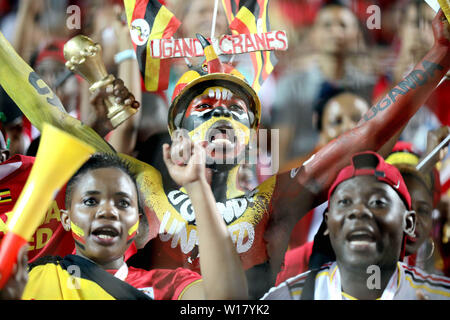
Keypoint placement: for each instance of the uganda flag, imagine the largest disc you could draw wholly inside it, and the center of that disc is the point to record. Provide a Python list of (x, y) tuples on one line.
[(75, 278), (147, 20), (5, 195), (250, 16), (231, 8)]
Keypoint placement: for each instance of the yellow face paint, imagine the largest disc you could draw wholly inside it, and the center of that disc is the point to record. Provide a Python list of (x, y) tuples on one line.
[(241, 131), (76, 229), (134, 228), (78, 235)]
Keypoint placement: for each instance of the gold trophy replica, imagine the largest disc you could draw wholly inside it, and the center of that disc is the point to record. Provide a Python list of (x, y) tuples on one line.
[(84, 57)]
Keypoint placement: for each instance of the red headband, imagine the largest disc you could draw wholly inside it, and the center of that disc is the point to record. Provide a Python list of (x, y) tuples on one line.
[(382, 171)]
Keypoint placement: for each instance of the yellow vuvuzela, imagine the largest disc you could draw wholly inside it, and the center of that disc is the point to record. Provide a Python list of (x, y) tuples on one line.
[(445, 6), (58, 157)]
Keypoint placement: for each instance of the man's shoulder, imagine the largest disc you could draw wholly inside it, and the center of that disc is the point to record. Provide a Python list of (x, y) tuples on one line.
[(433, 286), (292, 288)]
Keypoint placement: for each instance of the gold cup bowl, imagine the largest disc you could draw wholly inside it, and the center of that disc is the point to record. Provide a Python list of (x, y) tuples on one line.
[(84, 57)]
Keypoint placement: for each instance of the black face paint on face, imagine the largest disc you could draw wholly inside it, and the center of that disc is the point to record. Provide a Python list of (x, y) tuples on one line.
[(220, 118), (216, 102)]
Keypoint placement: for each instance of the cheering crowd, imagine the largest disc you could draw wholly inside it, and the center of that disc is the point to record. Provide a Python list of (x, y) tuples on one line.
[(347, 197)]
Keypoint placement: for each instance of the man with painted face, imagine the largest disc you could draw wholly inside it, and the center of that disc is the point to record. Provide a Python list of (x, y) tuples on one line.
[(259, 222), (368, 220)]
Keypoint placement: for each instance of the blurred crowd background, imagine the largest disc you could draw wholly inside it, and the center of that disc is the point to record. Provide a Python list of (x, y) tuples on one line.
[(342, 57)]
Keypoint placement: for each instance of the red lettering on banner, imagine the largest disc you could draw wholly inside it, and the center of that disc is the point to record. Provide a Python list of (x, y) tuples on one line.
[(249, 43), (187, 47), (226, 44), (155, 54), (177, 51), (281, 36), (226, 37), (237, 43), (166, 49), (198, 48), (260, 41), (269, 40)]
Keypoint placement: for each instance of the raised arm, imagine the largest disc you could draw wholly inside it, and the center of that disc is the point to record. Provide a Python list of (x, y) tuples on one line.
[(376, 127), (221, 268), (300, 190), (388, 115), (124, 137)]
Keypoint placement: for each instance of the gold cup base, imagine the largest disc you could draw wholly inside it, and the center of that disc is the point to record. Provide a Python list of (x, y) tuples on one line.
[(121, 116)]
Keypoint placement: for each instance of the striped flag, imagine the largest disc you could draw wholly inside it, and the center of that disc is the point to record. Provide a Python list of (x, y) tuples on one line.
[(231, 8), (148, 19), (250, 16), (5, 195)]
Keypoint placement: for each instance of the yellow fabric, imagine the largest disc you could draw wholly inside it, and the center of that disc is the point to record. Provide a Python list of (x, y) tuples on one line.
[(257, 24), (51, 282), (129, 8), (180, 297), (402, 157), (445, 6), (210, 54)]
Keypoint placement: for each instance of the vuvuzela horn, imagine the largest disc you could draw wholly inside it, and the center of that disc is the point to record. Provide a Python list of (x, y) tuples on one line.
[(445, 6), (58, 157), (84, 57)]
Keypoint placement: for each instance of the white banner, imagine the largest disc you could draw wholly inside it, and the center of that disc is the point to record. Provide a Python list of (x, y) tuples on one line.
[(226, 44)]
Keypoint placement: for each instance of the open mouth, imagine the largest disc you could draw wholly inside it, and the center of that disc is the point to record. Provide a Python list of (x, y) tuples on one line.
[(221, 135), (105, 234), (361, 239)]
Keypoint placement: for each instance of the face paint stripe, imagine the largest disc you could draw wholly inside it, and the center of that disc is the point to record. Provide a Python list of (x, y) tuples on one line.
[(134, 228), (79, 241), (76, 229), (200, 113)]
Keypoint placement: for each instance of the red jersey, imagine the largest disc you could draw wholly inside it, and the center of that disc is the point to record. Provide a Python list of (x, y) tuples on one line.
[(295, 262), (159, 284), (50, 237)]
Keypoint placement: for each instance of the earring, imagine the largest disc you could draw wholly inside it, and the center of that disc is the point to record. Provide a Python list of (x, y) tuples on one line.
[(432, 249), (430, 254)]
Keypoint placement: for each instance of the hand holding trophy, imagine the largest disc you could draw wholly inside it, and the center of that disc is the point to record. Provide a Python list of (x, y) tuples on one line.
[(84, 57)]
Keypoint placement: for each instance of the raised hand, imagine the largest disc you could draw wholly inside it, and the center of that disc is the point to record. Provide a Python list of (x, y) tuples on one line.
[(16, 284), (441, 29), (99, 120), (185, 160), (434, 138)]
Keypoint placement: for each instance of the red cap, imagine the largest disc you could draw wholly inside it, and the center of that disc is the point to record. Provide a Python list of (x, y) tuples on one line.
[(404, 146), (53, 50), (369, 163)]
